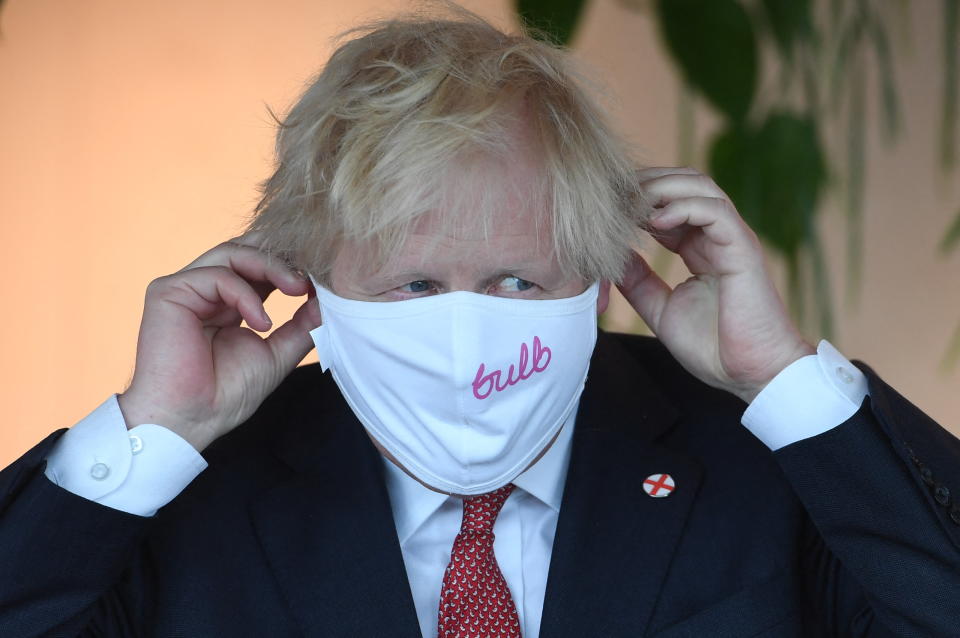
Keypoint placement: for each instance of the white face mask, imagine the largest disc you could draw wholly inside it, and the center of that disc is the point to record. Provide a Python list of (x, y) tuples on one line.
[(463, 389)]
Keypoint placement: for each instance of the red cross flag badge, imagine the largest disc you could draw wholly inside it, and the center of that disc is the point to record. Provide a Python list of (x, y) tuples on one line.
[(659, 485)]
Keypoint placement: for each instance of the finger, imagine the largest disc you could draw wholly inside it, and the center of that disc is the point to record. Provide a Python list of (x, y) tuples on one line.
[(715, 216), (654, 172), (670, 239), (668, 188), (216, 253), (254, 266), (645, 290), (253, 238), (291, 342), (211, 293)]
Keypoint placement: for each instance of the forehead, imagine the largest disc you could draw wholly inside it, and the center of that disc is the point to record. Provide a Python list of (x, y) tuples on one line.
[(508, 236), (511, 239), (503, 187), (492, 208)]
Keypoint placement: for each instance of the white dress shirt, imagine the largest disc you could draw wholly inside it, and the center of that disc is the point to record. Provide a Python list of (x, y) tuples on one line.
[(140, 470), (428, 522)]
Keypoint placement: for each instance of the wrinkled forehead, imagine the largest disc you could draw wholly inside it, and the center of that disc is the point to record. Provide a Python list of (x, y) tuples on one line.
[(487, 192), (509, 236), (485, 203)]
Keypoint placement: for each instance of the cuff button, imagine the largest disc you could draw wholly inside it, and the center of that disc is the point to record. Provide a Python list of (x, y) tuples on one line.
[(99, 471), (941, 494), (926, 474), (844, 375), (955, 514)]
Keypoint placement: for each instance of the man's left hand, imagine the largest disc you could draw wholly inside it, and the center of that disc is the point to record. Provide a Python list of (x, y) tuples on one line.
[(726, 324)]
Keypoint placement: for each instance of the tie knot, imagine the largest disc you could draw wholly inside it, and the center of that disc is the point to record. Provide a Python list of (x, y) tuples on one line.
[(480, 512)]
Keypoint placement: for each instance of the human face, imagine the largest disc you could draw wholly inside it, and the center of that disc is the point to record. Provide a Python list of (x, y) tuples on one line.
[(513, 257), (513, 260)]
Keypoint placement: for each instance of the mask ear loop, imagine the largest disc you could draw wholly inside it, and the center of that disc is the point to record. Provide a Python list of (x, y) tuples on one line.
[(321, 334)]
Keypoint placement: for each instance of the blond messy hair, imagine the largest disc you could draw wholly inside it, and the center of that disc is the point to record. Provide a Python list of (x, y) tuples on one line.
[(365, 150)]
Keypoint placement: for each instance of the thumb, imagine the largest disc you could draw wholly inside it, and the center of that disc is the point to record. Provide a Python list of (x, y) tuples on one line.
[(645, 290), (291, 342)]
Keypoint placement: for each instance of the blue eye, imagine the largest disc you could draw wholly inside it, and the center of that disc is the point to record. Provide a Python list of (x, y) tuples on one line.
[(515, 284), (420, 285)]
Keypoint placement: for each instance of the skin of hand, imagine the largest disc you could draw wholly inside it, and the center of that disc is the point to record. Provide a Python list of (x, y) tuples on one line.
[(198, 371), (726, 324)]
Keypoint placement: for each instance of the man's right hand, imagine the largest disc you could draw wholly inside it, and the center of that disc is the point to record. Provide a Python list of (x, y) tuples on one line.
[(199, 372)]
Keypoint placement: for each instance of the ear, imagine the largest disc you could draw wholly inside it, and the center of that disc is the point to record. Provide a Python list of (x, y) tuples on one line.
[(603, 297)]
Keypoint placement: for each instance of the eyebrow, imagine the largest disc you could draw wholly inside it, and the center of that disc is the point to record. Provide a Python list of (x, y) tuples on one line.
[(397, 279), (520, 271)]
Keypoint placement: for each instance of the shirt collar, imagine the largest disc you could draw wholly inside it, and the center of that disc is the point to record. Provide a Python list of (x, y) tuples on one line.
[(413, 504), (545, 479)]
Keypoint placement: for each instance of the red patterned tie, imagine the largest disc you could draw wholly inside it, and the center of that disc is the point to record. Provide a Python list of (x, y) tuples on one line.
[(475, 601)]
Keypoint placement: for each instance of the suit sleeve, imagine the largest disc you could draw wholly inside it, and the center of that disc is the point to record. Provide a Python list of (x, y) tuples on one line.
[(881, 491), (63, 556)]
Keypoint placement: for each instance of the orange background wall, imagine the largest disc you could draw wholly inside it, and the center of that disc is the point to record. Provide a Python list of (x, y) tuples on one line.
[(132, 135)]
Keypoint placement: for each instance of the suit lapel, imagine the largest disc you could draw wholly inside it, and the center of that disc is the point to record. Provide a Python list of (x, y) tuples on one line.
[(612, 549), (614, 543), (330, 538)]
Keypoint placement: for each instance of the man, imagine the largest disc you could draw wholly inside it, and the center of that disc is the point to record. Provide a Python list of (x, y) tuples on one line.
[(482, 462)]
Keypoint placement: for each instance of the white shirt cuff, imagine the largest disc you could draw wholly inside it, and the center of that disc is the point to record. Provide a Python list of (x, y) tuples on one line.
[(136, 471), (814, 394)]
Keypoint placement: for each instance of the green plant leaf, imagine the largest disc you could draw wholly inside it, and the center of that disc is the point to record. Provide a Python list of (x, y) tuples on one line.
[(793, 171), (951, 239), (849, 35), (774, 175), (890, 107), (554, 19), (789, 22), (635, 5), (732, 163), (715, 47), (835, 21)]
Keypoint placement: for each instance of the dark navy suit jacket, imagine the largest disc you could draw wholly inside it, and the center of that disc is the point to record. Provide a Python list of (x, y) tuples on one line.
[(289, 531)]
